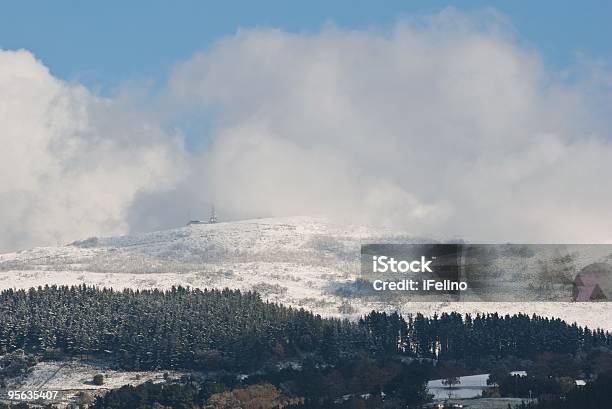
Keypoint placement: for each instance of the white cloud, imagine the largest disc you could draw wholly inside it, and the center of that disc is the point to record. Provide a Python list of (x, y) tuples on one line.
[(443, 126), (71, 163)]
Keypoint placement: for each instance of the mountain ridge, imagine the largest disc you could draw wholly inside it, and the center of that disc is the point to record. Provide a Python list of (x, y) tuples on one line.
[(298, 261)]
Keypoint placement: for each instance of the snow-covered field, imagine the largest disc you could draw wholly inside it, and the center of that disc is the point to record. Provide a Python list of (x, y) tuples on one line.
[(469, 387), (297, 261), (69, 378), (469, 392)]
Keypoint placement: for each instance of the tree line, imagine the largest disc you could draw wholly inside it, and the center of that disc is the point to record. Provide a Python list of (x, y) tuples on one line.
[(185, 328)]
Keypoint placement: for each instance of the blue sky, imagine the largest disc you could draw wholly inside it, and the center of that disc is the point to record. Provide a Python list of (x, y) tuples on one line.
[(103, 44)]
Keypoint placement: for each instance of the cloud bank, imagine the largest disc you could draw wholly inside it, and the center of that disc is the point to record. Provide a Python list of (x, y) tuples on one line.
[(71, 163), (442, 126)]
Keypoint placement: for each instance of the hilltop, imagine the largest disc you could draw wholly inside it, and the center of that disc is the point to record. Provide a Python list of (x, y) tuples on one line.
[(298, 261)]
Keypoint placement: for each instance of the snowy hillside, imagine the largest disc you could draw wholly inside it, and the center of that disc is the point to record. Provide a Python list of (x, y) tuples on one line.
[(299, 261)]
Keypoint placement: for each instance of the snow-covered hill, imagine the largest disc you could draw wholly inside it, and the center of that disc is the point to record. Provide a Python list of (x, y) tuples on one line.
[(299, 261)]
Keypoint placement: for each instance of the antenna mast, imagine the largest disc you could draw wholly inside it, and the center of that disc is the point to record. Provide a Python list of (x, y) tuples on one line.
[(213, 215)]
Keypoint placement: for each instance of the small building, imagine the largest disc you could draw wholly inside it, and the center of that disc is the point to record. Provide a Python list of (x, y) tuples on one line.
[(196, 222), (211, 220), (593, 283), (589, 293)]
